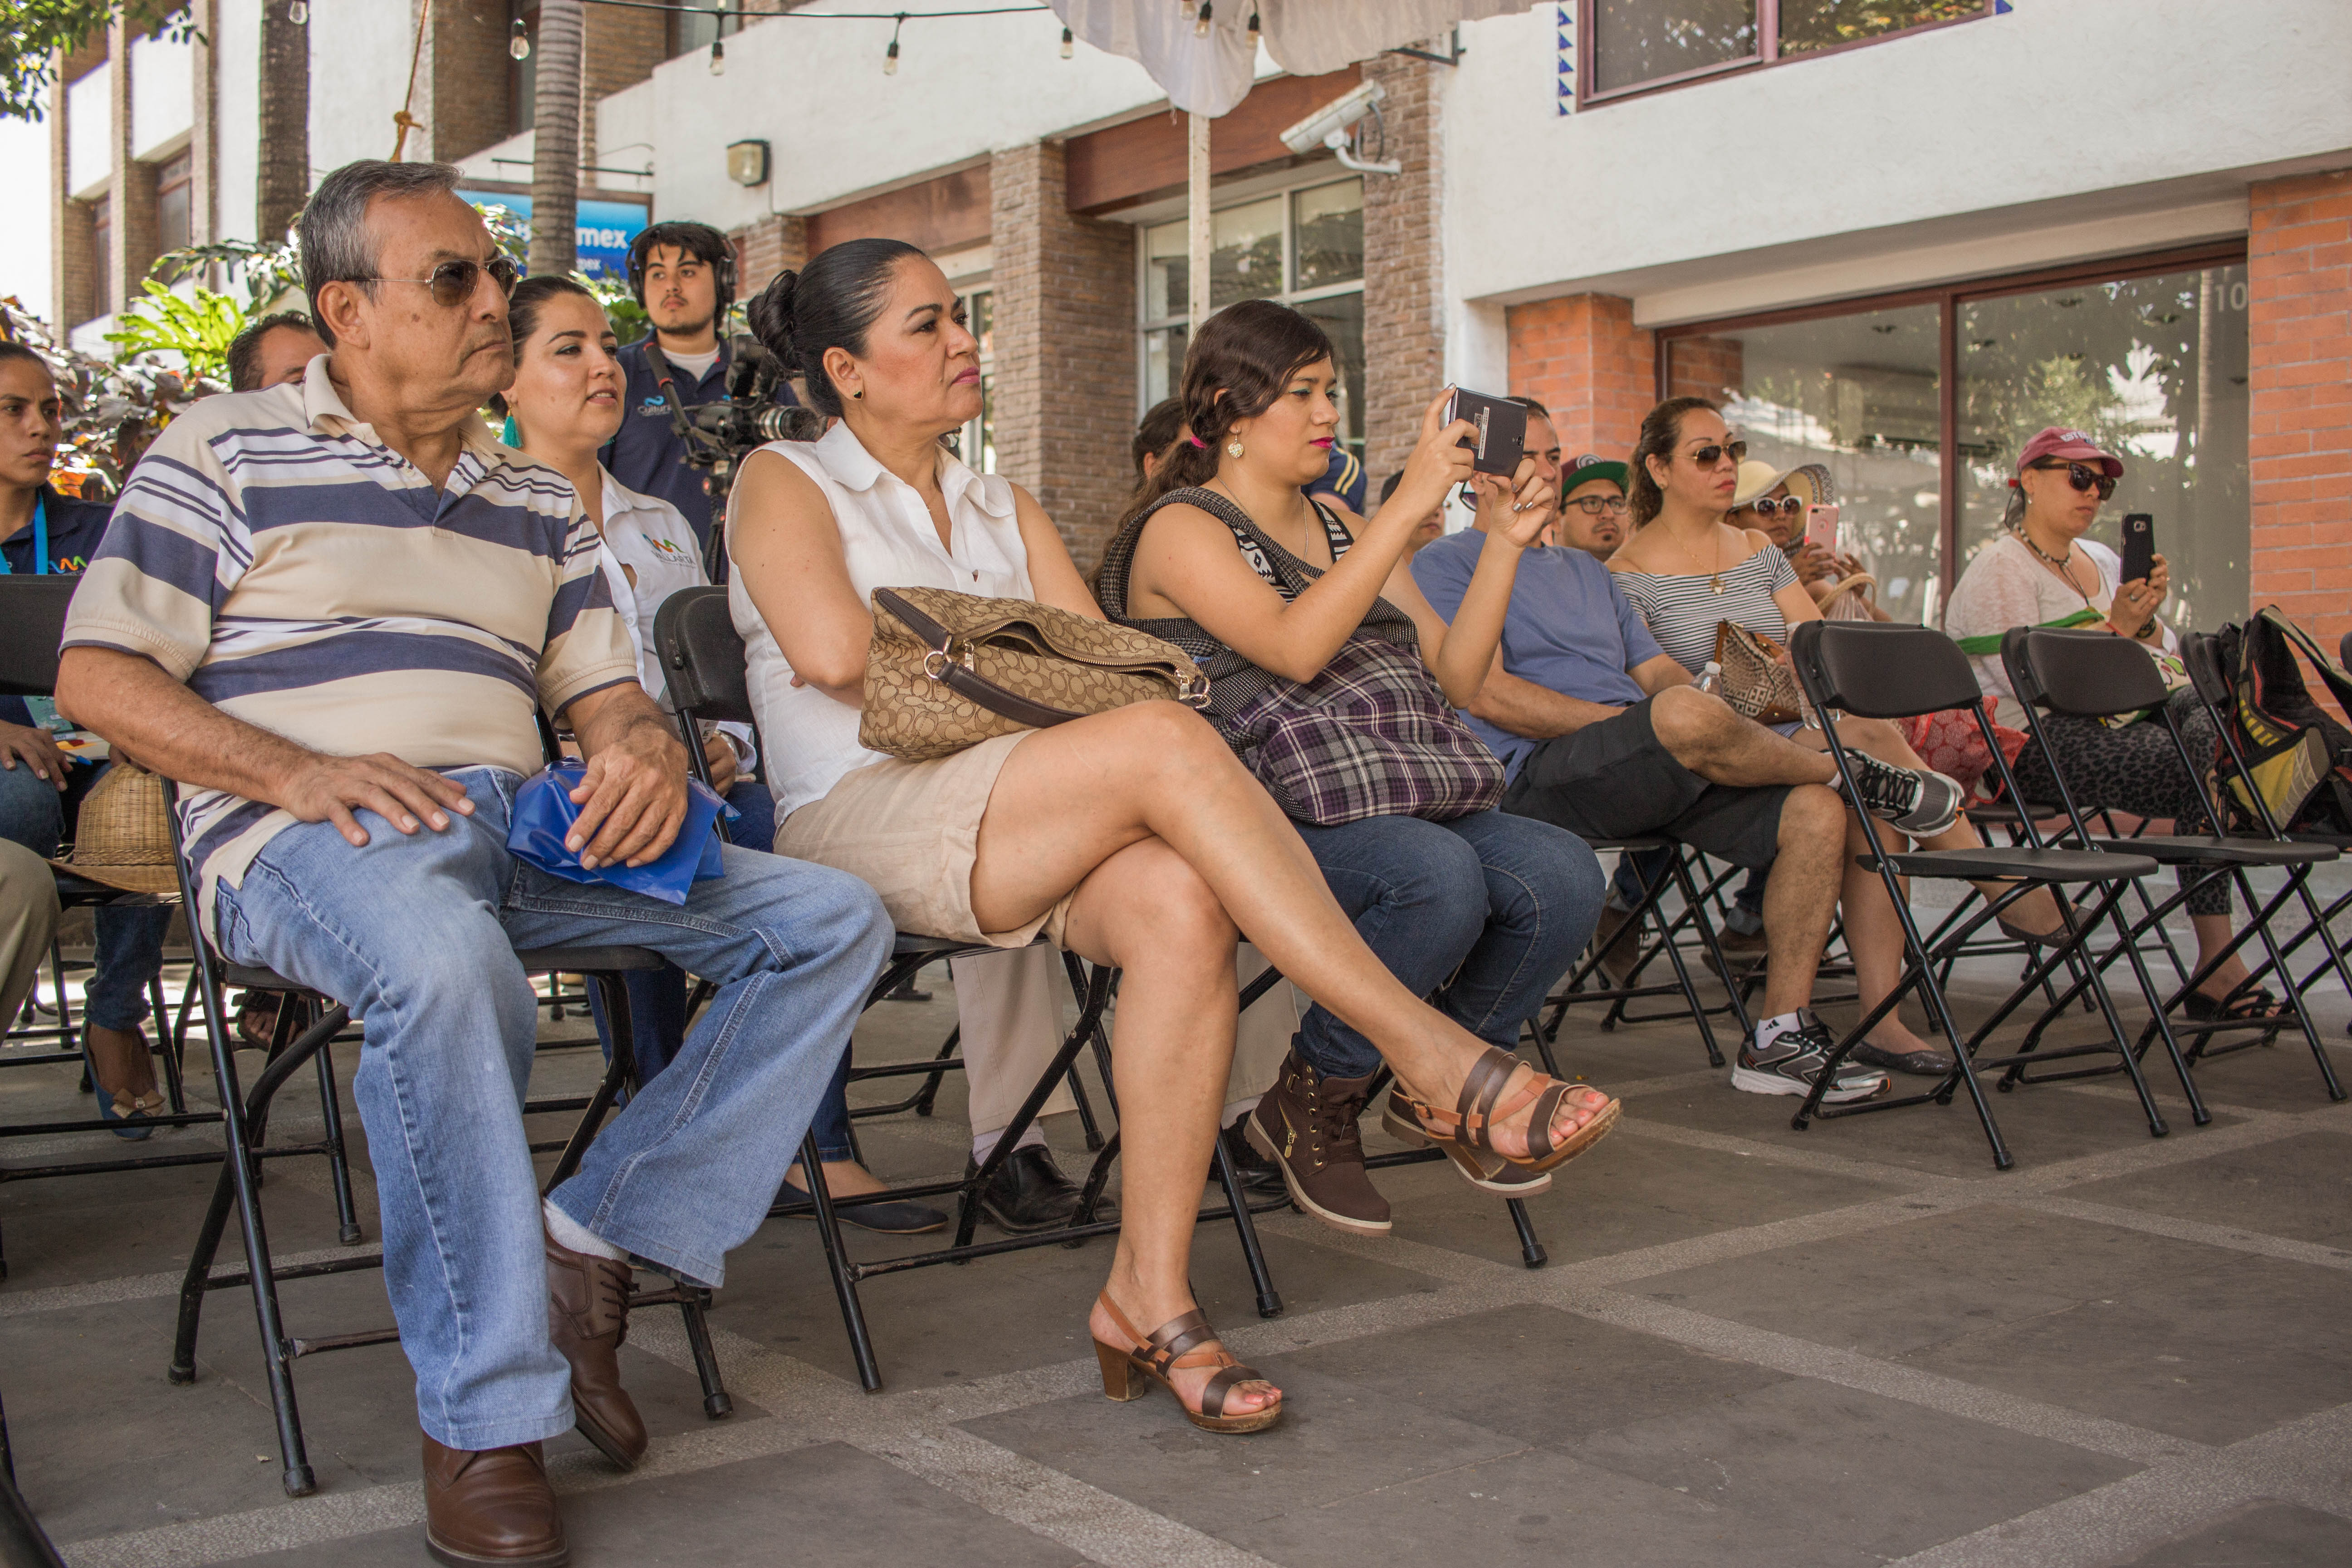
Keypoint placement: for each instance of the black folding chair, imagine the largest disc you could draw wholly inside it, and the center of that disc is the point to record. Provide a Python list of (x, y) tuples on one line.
[(2094, 674), (32, 623), (23, 1543), (320, 1020), (1656, 935), (1884, 670), (703, 665)]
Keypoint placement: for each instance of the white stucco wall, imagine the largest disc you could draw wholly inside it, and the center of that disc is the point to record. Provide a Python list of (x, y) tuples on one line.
[(163, 94), (25, 197), (2066, 129), (237, 57), (90, 132), (838, 126), (359, 73)]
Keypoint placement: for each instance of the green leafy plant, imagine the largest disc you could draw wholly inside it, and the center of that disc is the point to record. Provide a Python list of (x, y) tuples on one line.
[(621, 311), (36, 33), (112, 410), (197, 326), (265, 273)]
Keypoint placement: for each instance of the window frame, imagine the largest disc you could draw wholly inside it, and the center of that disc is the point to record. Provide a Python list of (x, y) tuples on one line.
[(1317, 176), (1768, 53), (173, 174), (1948, 299)]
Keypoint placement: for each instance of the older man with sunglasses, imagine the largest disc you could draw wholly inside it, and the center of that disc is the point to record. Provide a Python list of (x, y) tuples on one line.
[(330, 609)]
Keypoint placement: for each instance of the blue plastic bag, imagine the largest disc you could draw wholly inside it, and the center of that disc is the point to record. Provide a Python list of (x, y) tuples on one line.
[(544, 813)]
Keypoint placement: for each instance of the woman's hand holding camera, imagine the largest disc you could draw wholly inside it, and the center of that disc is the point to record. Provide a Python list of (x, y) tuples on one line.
[(1439, 462)]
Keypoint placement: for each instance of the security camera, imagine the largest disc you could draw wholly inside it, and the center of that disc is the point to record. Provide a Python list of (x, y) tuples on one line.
[(1329, 125)]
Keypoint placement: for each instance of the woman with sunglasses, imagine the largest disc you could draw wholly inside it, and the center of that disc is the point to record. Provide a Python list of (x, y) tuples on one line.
[(1686, 569), (2040, 570)]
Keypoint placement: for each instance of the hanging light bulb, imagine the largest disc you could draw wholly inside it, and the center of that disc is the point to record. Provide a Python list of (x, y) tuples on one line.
[(298, 13), (519, 46), (717, 58), (1201, 21), (890, 55), (1069, 45), (1252, 30)]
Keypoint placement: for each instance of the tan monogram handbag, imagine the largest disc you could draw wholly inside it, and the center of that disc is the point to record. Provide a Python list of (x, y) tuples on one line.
[(1755, 681), (947, 671)]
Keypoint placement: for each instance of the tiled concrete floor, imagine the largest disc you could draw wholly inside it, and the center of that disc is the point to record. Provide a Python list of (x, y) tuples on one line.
[(1859, 1343)]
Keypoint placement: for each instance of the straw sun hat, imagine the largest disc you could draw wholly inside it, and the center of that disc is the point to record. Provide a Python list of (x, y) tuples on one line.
[(1809, 482), (123, 837)]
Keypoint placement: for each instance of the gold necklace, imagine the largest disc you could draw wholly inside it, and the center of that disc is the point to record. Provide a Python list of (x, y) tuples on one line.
[(2064, 568), (1713, 578)]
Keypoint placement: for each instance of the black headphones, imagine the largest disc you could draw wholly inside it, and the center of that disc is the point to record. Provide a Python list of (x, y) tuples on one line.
[(699, 240)]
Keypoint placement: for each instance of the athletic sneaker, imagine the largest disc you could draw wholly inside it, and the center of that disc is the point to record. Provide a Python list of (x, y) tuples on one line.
[(1919, 801), (1793, 1062)]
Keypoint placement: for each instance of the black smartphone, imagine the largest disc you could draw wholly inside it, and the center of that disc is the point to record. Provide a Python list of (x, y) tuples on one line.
[(2139, 546), (1501, 438)]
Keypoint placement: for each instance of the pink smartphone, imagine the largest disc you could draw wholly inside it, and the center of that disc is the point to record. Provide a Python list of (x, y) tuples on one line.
[(1821, 527)]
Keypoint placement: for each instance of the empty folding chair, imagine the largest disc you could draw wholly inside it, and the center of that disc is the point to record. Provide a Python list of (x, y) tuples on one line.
[(1655, 934), (1883, 670), (703, 668)]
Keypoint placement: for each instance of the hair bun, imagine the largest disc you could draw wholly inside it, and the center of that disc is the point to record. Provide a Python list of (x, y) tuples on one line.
[(769, 314)]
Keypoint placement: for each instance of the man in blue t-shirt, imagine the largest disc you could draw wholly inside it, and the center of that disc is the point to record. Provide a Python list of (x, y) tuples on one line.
[(1600, 733)]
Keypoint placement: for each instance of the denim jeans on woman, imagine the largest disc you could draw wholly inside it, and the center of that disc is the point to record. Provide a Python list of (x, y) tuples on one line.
[(414, 933), (1481, 915), (35, 813)]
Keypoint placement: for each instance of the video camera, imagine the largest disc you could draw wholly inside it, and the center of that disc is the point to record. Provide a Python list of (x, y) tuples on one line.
[(749, 415)]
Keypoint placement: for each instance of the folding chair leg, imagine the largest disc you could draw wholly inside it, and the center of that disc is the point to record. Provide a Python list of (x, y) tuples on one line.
[(2295, 999), (1269, 1300), (339, 1165), (926, 1097), (1530, 1249), (694, 1306), (174, 1090), (837, 1264)]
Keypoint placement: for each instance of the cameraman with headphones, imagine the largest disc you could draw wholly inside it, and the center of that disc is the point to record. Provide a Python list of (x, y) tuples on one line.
[(684, 276)]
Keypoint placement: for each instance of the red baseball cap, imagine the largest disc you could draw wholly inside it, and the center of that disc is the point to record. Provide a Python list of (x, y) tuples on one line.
[(2071, 446)]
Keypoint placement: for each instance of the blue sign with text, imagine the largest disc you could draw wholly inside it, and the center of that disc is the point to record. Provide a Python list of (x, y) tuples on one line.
[(602, 234)]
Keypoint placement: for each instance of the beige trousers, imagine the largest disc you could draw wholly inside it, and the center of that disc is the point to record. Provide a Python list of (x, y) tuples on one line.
[(28, 920), (1010, 1007)]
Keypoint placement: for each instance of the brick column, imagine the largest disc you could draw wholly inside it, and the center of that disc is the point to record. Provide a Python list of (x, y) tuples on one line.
[(204, 141), (766, 248), (1404, 274), (463, 94), (132, 241), (2299, 437), (1582, 357), (1064, 389)]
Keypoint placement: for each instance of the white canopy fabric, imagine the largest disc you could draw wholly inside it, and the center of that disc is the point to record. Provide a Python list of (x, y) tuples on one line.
[(1307, 38)]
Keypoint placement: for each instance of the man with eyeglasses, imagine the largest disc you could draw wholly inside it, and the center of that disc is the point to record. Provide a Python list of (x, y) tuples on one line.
[(330, 609), (1592, 506)]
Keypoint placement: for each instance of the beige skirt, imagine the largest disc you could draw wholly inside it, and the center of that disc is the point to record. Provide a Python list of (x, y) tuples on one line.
[(911, 831)]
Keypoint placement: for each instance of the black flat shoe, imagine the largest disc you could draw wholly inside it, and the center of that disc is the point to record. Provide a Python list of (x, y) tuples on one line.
[(1926, 1062), (888, 1219), (2256, 1006), (1259, 1174), (1029, 1194), (2031, 939)]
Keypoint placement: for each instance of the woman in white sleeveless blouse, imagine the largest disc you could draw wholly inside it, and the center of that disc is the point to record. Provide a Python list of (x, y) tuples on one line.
[(1133, 837), (1686, 569)]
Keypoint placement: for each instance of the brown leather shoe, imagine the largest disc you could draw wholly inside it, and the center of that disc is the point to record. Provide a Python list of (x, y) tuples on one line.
[(587, 1319), (494, 1506), (1306, 1124)]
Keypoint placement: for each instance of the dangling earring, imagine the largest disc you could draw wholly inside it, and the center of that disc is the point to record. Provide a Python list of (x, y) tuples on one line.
[(1233, 447)]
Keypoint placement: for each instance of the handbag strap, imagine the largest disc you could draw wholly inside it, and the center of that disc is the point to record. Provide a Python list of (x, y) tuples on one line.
[(940, 663)]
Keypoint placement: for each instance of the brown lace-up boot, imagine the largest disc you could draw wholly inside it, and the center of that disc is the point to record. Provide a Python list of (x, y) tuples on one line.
[(491, 1507), (1306, 1125), (587, 1319)]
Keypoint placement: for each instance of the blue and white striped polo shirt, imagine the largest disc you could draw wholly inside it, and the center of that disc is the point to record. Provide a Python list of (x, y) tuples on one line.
[(301, 576)]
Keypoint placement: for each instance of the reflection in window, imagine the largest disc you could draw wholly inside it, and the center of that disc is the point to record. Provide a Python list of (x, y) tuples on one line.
[(1341, 316), (1857, 394), (173, 187), (1329, 226), (1635, 41), (977, 442), (1246, 257), (2154, 368), (1809, 25)]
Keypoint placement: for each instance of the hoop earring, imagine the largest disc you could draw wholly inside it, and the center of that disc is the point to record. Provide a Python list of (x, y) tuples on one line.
[(1233, 447)]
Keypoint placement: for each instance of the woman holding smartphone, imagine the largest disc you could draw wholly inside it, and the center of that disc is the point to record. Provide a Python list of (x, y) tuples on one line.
[(1133, 838), (1228, 559), (1686, 569), (2040, 572)]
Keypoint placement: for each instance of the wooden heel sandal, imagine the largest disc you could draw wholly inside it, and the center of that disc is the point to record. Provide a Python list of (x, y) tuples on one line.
[(1487, 1173), (1186, 1341), (1466, 1133)]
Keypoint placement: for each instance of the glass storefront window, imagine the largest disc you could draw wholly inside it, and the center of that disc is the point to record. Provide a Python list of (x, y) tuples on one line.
[(1342, 317), (1809, 25), (1245, 254), (1635, 41), (1859, 396), (2154, 368), (1327, 224), (1167, 272)]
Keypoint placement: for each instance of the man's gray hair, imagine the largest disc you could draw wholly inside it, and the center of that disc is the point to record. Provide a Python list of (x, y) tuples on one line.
[(336, 246)]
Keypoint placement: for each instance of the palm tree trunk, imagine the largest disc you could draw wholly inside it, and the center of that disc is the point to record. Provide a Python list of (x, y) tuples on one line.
[(555, 137), (285, 177)]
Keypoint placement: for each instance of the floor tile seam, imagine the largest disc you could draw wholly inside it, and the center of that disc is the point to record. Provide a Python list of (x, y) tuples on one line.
[(2185, 1142), (1905, 1177), (148, 1287), (2233, 1237), (1872, 1374)]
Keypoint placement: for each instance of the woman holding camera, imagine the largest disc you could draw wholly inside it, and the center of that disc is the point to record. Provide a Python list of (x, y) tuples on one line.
[(1132, 837), (1227, 558), (2039, 573)]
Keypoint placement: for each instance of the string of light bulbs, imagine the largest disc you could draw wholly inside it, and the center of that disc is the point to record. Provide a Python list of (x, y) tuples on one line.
[(519, 41)]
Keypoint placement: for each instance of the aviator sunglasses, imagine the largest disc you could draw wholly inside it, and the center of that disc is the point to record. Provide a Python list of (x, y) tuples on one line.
[(453, 282), (2080, 476), (1708, 456)]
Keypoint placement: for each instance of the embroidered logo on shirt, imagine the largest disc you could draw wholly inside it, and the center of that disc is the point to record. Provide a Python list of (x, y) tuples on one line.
[(653, 407)]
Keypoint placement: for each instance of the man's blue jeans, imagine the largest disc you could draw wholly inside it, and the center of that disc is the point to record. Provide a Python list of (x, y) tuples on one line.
[(415, 934), (35, 813), (1481, 915)]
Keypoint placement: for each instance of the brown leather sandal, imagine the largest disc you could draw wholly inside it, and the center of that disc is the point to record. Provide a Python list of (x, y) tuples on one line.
[(1466, 1133), (1186, 1341), (1487, 1173)]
